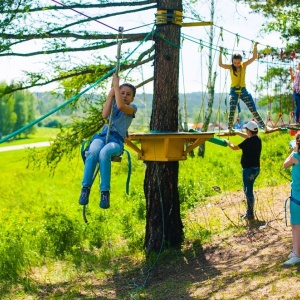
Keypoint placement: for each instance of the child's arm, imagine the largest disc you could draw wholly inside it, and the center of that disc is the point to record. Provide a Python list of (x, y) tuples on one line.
[(254, 56), (233, 147), (289, 161), (292, 74), (241, 134), (108, 104), (122, 106), (225, 66)]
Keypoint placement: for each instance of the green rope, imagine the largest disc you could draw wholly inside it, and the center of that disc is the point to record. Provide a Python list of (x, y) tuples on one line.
[(55, 109), (129, 170), (74, 97), (219, 142), (167, 41)]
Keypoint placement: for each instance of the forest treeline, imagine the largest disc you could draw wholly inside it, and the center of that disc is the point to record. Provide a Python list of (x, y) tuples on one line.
[(20, 108)]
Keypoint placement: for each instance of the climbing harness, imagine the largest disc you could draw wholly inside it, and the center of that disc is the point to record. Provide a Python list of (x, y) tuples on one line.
[(84, 151)]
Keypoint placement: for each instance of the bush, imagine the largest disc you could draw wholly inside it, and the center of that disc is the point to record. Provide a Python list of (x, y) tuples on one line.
[(52, 124), (58, 235), (12, 254)]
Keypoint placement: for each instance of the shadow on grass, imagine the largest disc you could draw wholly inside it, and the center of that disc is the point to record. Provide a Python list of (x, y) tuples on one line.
[(171, 277), (168, 276), (238, 264)]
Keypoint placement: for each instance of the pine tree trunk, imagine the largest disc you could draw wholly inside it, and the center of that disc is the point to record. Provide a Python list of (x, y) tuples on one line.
[(163, 223)]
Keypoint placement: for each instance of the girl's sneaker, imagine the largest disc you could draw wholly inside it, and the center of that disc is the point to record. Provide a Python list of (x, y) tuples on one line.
[(84, 196), (104, 199)]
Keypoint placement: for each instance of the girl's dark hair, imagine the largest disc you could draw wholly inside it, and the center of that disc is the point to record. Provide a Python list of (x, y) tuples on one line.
[(297, 137), (235, 56), (130, 86)]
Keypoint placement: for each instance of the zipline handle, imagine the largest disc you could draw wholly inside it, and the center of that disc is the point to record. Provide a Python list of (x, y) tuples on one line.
[(118, 57)]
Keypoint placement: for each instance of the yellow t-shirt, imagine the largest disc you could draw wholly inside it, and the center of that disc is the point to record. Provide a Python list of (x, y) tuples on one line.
[(238, 80)]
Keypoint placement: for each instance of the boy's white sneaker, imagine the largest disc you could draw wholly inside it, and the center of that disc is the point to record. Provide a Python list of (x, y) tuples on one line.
[(292, 261), (292, 254)]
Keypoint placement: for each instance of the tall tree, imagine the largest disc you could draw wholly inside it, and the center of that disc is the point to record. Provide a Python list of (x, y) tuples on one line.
[(21, 109), (164, 226), (16, 111), (282, 16), (68, 36), (8, 117)]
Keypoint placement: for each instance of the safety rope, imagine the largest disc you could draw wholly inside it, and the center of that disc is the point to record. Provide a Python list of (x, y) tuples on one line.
[(269, 120), (218, 115), (119, 42), (280, 114), (185, 126)]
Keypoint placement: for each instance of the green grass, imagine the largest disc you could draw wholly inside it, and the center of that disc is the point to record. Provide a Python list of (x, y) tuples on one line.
[(42, 134), (41, 223)]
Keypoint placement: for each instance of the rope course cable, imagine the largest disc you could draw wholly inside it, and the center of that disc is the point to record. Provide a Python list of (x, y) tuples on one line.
[(215, 47), (119, 42), (94, 19), (277, 50), (218, 116), (85, 15), (271, 56), (185, 122), (262, 59)]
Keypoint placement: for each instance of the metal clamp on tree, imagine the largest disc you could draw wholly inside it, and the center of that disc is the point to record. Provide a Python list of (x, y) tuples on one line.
[(171, 16), (168, 16)]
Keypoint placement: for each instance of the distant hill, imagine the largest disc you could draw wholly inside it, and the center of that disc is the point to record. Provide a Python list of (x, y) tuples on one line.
[(194, 101), (196, 104)]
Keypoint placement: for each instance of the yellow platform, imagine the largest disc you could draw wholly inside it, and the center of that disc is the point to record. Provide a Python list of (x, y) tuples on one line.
[(172, 146)]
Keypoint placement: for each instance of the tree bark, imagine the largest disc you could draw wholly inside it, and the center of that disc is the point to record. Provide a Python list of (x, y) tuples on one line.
[(164, 227)]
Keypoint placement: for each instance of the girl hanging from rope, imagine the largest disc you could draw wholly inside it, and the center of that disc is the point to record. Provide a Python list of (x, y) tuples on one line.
[(109, 142), (238, 88)]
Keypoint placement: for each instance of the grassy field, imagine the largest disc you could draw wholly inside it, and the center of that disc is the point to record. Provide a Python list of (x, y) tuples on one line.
[(42, 134), (48, 252)]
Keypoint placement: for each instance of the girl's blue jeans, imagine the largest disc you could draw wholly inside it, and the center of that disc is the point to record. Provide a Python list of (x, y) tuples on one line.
[(296, 97), (101, 153), (249, 176)]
